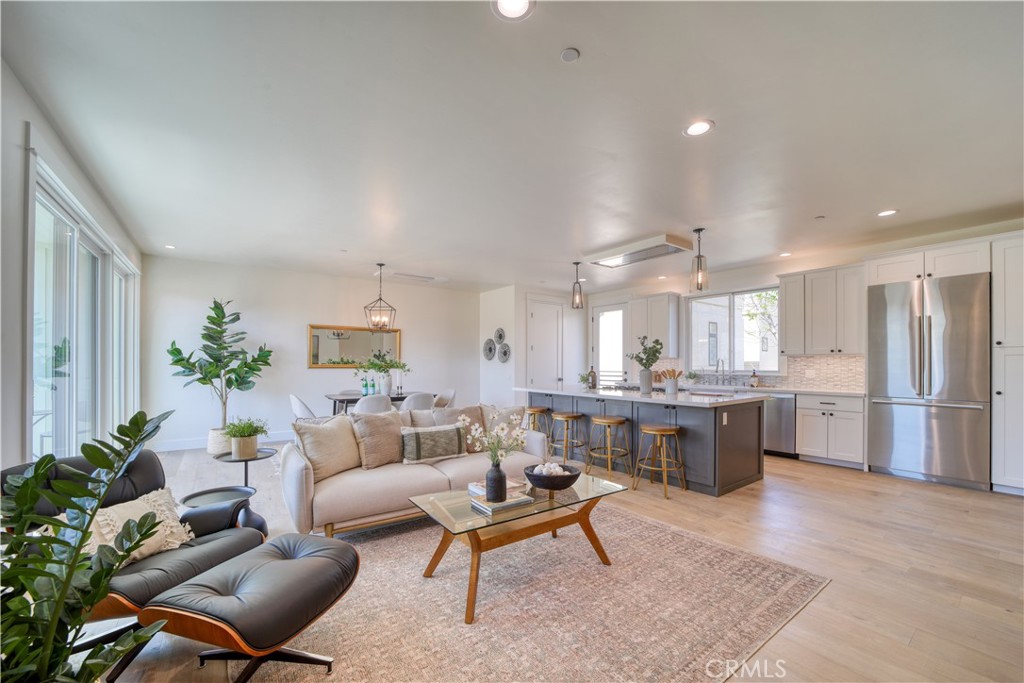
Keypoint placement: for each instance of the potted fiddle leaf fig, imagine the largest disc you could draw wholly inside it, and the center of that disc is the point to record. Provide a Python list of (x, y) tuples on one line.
[(222, 364)]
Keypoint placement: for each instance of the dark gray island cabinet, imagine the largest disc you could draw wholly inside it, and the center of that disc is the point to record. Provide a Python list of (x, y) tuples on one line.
[(721, 437)]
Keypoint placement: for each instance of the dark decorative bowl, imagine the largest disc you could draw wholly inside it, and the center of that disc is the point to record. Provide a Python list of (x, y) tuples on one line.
[(555, 482)]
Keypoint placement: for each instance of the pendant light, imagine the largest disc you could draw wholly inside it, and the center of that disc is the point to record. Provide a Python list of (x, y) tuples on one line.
[(577, 288), (699, 272), (380, 315)]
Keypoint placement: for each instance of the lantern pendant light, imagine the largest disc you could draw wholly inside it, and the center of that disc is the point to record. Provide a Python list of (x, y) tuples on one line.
[(699, 272), (577, 288), (380, 315)]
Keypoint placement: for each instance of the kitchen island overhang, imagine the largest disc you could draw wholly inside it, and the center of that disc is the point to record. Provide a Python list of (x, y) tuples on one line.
[(721, 438)]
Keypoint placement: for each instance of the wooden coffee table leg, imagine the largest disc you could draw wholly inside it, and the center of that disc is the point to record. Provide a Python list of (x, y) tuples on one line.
[(551, 496), (474, 576), (588, 529), (442, 548)]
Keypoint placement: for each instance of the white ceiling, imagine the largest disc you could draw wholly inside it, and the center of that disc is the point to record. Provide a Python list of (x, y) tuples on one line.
[(445, 142)]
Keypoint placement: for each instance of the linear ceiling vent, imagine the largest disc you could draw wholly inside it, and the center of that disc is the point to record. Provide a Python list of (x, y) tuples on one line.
[(641, 250), (416, 278)]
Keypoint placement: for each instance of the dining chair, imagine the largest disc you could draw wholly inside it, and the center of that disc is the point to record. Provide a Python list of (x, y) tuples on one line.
[(420, 401), (378, 403), (445, 399), (299, 407)]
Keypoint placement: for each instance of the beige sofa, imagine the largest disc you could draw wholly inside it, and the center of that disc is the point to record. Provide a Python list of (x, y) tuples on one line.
[(330, 486)]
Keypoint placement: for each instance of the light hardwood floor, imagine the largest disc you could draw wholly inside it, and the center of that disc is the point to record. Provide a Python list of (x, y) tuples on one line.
[(927, 580)]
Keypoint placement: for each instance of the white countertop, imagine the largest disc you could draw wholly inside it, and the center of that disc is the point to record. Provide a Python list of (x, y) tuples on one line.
[(780, 390), (681, 399)]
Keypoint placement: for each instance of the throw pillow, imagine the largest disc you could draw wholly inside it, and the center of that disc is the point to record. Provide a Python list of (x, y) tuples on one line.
[(430, 444), (450, 416), (330, 447), (496, 416), (379, 436), (169, 533), (422, 418)]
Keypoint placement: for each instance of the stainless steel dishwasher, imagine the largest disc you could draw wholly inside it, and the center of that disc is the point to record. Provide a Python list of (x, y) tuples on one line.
[(780, 424)]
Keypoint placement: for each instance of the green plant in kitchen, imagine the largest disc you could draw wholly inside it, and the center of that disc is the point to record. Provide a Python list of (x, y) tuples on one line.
[(583, 378), (648, 354), (50, 581), (245, 427), (223, 364)]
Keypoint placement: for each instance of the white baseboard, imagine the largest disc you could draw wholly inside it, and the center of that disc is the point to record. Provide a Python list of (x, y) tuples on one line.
[(166, 445)]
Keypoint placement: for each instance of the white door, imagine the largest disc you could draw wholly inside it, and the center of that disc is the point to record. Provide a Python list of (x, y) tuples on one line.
[(846, 436), (544, 345), (791, 315), (851, 310), (1008, 292), (812, 432), (609, 350), (1007, 426), (820, 312)]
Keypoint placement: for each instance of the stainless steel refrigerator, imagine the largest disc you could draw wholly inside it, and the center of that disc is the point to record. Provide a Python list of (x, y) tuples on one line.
[(928, 379)]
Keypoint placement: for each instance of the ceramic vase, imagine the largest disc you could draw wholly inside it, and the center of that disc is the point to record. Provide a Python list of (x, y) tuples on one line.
[(671, 386), (646, 383), (496, 482), (384, 384)]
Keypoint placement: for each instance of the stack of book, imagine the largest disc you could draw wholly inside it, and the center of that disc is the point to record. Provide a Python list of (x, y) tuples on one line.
[(517, 499), (479, 488)]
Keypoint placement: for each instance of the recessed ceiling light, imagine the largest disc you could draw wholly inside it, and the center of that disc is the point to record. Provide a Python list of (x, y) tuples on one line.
[(887, 212), (699, 127), (512, 10), (785, 253), (663, 277), (570, 55), (168, 246), (583, 279), (819, 218)]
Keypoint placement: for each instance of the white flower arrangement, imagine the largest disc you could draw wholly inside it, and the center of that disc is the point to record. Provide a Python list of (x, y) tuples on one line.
[(499, 442)]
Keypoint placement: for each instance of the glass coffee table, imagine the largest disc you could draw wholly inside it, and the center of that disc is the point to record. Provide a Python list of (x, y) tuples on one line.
[(550, 511)]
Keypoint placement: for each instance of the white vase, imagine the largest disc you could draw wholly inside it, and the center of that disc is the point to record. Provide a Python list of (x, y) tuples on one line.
[(217, 443), (646, 384), (384, 385), (671, 386)]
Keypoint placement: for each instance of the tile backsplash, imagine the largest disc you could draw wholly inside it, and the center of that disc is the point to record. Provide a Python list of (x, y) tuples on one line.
[(828, 373)]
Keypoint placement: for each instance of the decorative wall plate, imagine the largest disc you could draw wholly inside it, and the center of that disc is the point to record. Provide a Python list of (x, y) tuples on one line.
[(499, 336), (489, 348), (504, 353)]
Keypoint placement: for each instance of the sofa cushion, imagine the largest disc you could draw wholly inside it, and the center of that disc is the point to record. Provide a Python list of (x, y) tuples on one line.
[(422, 418), (463, 471), (494, 416), (380, 438), (450, 416), (361, 493), (330, 447), (431, 444)]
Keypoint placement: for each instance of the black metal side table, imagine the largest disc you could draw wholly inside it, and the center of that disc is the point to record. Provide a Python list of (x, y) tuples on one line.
[(261, 454)]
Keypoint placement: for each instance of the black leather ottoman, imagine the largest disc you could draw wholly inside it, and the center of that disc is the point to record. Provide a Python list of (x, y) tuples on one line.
[(253, 604)]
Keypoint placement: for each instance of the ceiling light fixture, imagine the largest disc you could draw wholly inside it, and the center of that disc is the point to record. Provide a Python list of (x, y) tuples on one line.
[(663, 277), (699, 272), (166, 246), (570, 55), (577, 288), (887, 212), (380, 315), (512, 10), (699, 128), (641, 250), (785, 253)]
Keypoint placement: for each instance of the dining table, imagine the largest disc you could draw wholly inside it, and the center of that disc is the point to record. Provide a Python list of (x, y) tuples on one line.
[(344, 399)]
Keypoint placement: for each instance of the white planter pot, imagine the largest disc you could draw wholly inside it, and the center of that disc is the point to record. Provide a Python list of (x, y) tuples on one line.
[(244, 448), (217, 443), (646, 382), (384, 385), (671, 386)]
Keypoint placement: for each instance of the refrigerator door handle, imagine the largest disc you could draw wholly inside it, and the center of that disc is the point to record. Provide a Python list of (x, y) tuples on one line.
[(928, 356), (965, 406), (920, 356)]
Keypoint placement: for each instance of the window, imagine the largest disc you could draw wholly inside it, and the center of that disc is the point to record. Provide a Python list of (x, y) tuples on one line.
[(737, 332), (84, 338), (610, 336)]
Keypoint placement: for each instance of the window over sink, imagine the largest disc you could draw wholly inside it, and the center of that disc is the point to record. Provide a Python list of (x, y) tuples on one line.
[(737, 332)]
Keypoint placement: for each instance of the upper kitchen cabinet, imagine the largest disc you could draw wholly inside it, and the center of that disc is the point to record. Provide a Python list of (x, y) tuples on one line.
[(820, 312), (851, 310), (959, 258), (1008, 292), (791, 315), (656, 317)]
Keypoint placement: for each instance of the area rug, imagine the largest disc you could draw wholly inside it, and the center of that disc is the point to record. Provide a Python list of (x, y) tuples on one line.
[(673, 606)]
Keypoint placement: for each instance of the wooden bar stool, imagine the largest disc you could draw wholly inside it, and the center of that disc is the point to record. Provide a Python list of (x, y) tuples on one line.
[(569, 440), (605, 432), (538, 419), (658, 457)]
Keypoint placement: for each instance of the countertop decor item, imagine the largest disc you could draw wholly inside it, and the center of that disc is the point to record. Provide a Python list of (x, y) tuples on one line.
[(553, 482), (647, 356)]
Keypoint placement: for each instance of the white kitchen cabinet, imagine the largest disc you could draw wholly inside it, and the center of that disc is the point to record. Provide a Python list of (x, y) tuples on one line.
[(791, 315), (851, 310), (1008, 292), (830, 427), (1007, 409), (835, 311), (654, 317), (820, 312), (958, 258)]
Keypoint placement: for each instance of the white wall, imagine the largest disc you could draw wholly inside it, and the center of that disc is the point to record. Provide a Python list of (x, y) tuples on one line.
[(498, 309), (439, 340), (18, 113)]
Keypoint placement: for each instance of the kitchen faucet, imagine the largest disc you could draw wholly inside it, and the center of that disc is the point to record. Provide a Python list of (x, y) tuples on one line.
[(720, 370)]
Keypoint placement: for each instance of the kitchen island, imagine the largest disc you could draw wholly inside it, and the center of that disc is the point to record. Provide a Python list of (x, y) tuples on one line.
[(721, 437)]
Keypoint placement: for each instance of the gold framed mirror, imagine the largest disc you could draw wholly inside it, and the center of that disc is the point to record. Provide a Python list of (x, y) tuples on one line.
[(341, 346)]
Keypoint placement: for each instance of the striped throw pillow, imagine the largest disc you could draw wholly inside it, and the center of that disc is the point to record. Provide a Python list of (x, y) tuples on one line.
[(430, 444)]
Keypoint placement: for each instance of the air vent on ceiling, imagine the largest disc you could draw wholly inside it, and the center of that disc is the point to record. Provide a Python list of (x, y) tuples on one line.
[(413, 278), (641, 250)]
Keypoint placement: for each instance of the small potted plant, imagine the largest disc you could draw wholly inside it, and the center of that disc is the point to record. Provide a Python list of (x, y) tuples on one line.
[(243, 433), (584, 379), (646, 358), (691, 378)]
